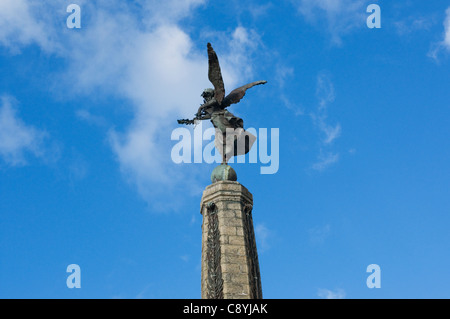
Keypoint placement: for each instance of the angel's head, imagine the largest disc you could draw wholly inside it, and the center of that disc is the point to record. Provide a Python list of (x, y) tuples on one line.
[(208, 94)]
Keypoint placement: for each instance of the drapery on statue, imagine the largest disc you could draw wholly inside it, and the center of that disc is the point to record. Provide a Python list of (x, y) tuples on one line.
[(214, 108)]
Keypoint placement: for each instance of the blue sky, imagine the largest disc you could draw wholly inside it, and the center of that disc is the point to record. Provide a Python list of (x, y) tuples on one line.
[(86, 117)]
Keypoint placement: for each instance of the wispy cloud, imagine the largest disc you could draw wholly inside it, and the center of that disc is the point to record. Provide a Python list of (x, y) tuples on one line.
[(144, 57), (262, 234), (78, 167), (330, 294), (19, 25), (326, 95), (413, 24), (258, 10), (336, 17), (282, 75), (185, 258), (443, 45), (142, 294), (447, 29), (164, 80), (90, 118), (318, 235), (325, 160), (156, 12), (17, 139)]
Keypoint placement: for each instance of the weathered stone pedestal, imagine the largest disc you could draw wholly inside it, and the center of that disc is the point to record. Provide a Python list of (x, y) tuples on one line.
[(230, 267)]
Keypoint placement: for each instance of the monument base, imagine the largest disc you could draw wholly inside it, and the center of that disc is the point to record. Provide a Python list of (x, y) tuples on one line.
[(230, 267)]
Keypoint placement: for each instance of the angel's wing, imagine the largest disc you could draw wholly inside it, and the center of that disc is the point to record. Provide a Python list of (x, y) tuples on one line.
[(237, 94), (215, 75)]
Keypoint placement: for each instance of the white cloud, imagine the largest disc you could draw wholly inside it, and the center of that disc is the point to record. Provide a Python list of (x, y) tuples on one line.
[(325, 160), (17, 138), (185, 258), (157, 12), (318, 235), (331, 132), (143, 293), (326, 95), (443, 45), (145, 58), (324, 91), (25, 22), (259, 10), (235, 53), (162, 74), (282, 74), (329, 294), (164, 79), (339, 17), (90, 118), (412, 25), (447, 29), (262, 234)]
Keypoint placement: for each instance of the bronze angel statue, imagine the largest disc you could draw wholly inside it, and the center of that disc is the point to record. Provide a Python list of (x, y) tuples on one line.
[(214, 108)]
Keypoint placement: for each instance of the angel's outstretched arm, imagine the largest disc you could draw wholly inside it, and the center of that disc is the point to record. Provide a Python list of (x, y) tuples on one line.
[(206, 116), (204, 107)]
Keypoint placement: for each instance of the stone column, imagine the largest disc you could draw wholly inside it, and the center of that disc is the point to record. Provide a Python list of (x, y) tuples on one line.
[(230, 267)]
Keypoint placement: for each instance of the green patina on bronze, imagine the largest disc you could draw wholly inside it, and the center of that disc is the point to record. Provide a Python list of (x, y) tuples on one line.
[(223, 172)]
